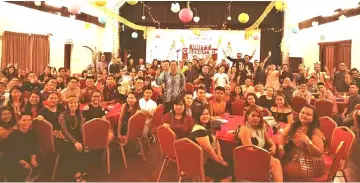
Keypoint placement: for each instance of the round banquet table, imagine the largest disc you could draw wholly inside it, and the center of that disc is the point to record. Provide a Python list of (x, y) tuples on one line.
[(113, 115), (227, 139)]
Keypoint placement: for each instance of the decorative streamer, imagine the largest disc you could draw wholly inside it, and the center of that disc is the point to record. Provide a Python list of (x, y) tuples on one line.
[(259, 20), (122, 19)]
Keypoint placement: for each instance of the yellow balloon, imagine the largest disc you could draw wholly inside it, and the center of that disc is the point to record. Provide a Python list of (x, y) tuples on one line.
[(279, 5), (87, 25), (196, 32), (243, 18), (132, 2), (101, 3)]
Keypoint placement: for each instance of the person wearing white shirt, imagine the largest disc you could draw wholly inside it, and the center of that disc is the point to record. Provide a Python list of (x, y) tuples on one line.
[(221, 78), (148, 106)]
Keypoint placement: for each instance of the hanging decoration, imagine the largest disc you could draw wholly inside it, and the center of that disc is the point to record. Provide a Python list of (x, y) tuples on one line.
[(134, 35), (120, 19), (196, 32), (102, 20), (182, 41), (259, 20), (243, 18), (75, 8), (37, 3), (175, 7), (219, 41), (256, 35), (280, 5), (295, 30), (186, 15), (150, 15), (132, 2), (196, 19), (87, 25), (101, 3)]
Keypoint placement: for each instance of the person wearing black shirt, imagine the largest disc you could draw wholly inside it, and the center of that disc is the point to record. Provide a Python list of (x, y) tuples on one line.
[(354, 77), (32, 83), (285, 73), (20, 150), (46, 75), (191, 74), (339, 79), (204, 78), (347, 115), (267, 101)]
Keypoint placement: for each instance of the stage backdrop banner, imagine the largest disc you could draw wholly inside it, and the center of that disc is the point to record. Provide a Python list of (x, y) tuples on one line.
[(179, 44)]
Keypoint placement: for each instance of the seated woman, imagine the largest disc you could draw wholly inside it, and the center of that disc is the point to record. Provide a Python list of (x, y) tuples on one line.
[(304, 146), (20, 149), (16, 101), (71, 121), (254, 133), (177, 119), (51, 112), (128, 109), (34, 104), (267, 100), (7, 123), (203, 134), (237, 94), (282, 110), (95, 110), (252, 100)]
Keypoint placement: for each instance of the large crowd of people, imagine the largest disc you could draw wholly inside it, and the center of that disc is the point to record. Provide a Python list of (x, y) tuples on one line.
[(55, 96)]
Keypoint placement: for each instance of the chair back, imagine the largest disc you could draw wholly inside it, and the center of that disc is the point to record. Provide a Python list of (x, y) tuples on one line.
[(155, 96), (244, 167), (95, 133), (44, 131), (298, 103), (189, 158), (356, 123), (136, 126), (82, 83), (344, 134), (237, 108), (189, 87), (166, 139), (324, 108), (340, 151), (157, 116), (327, 126)]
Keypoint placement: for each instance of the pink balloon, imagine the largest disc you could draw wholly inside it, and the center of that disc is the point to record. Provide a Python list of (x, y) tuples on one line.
[(157, 35), (186, 15), (74, 8)]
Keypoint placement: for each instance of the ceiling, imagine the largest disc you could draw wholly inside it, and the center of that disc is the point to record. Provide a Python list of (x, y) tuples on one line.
[(212, 14)]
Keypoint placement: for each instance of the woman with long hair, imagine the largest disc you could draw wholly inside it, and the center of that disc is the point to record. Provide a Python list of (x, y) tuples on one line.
[(237, 94), (177, 119), (128, 109), (7, 122), (71, 121), (34, 104), (267, 100), (16, 101), (254, 133), (282, 110), (301, 147), (204, 135)]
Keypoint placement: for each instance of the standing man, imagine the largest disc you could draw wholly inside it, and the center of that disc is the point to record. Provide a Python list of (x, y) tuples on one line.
[(174, 84)]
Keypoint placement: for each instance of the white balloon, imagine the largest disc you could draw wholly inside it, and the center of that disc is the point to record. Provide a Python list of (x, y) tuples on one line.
[(196, 19)]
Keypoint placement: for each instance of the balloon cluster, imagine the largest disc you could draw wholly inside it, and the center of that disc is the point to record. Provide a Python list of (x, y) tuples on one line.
[(186, 15)]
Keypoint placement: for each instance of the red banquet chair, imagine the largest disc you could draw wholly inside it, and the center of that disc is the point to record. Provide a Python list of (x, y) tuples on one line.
[(95, 136), (340, 134), (324, 108), (237, 108), (135, 131), (327, 126), (44, 131), (330, 175), (298, 103), (166, 139), (189, 87), (244, 167), (157, 116), (356, 124), (189, 159)]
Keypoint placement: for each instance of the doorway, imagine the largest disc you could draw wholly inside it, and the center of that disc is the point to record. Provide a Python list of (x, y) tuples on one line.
[(67, 55), (333, 53)]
